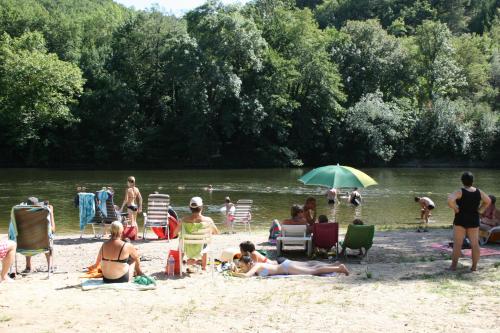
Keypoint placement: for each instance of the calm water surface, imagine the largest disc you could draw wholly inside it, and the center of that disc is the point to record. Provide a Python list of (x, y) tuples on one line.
[(273, 191)]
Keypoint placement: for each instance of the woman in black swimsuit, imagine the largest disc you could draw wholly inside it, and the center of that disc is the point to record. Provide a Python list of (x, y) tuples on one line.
[(466, 203), (117, 258)]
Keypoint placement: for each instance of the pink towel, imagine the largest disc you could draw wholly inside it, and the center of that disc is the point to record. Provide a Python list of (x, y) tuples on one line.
[(467, 252)]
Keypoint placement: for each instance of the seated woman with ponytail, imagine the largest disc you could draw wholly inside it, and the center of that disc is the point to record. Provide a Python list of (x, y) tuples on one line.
[(249, 268)]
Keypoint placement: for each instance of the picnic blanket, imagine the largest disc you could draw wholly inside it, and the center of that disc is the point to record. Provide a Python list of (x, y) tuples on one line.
[(485, 251), (98, 284)]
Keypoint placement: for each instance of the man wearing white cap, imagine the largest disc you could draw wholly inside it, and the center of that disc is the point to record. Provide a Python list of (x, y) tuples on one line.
[(193, 223)]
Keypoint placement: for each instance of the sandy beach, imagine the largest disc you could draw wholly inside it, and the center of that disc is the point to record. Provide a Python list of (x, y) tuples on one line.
[(402, 286)]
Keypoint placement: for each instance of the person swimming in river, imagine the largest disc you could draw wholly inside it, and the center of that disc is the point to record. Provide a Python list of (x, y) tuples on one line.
[(248, 268), (132, 200)]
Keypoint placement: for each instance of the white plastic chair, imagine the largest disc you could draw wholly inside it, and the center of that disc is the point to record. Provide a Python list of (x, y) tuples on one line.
[(242, 214), (157, 215), (294, 235), (201, 237)]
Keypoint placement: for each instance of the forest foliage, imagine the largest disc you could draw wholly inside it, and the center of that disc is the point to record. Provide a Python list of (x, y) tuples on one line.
[(272, 83)]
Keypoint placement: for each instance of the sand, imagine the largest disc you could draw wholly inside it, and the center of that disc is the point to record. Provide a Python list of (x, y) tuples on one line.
[(402, 286)]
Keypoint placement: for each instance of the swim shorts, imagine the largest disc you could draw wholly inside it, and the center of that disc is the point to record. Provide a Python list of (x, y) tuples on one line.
[(4, 248)]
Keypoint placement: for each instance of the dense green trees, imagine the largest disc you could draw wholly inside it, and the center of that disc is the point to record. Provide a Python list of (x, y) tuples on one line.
[(272, 83)]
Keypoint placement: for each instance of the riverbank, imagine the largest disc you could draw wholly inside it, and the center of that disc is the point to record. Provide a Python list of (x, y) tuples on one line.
[(401, 286)]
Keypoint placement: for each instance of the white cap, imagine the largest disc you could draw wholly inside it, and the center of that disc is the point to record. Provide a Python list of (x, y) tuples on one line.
[(195, 202)]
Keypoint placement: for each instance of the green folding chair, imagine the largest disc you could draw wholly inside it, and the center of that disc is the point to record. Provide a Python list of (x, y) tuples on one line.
[(358, 237)]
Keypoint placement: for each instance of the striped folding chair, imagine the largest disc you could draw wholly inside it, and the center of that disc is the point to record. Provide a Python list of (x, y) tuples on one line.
[(157, 215), (242, 214)]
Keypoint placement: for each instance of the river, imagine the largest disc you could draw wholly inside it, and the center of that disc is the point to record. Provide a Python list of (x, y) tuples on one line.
[(272, 190)]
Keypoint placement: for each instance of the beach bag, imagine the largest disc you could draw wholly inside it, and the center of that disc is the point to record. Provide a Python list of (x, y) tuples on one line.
[(177, 266), (129, 232), (274, 231)]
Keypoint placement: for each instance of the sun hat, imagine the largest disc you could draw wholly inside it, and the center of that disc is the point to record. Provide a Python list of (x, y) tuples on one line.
[(195, 202)]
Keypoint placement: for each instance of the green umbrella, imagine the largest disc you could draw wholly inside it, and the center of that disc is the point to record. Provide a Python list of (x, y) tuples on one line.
[(337, 176)]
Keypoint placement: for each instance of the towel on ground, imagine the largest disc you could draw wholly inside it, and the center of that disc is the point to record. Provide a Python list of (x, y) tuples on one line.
[(484, 251), (98, 284)]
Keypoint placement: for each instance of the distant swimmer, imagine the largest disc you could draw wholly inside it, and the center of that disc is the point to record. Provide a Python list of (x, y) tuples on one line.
[(331, 195), (426, 205), (209, 188)]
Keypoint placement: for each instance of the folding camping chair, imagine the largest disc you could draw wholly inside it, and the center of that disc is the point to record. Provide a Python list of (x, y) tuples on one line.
[(30, 228), (157, 215), (242, 214)]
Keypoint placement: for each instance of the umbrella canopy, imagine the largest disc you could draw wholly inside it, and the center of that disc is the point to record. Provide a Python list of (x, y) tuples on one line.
[(337, 176)]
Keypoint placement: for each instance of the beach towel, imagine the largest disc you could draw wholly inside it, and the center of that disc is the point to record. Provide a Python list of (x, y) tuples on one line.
[(87, 208), (95, 273), (467, 252), (98, 284), (102, 196)]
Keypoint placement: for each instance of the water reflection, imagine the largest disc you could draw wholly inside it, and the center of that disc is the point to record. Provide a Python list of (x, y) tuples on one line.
[(272, 190)]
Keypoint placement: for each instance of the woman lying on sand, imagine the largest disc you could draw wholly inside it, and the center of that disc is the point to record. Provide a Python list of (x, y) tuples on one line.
[(248, 268)]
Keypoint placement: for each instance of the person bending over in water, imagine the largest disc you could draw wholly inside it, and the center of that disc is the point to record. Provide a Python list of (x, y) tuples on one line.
[(426, 205), (133, 201), (354, 197), (116, 258), (331, 195), (248, 249), (249, 268)]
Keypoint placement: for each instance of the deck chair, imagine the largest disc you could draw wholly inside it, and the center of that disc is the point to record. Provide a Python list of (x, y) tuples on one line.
[(30, 228), (157, 215), (489, 235), (294, 235), (326, 236), (242, 214), (358, 237), (195, 242)]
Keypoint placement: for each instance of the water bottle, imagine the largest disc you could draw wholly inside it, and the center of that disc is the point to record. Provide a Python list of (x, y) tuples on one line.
[(171, 266)]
